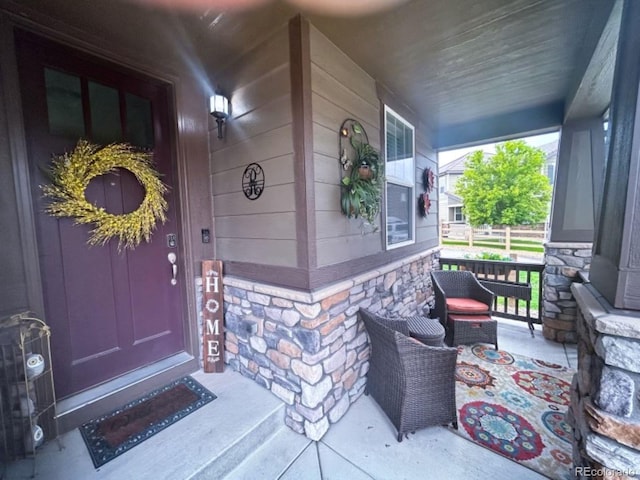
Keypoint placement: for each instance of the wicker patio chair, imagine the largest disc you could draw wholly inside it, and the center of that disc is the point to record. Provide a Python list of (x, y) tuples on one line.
[(413, 383), (459, 285), (463, 305)]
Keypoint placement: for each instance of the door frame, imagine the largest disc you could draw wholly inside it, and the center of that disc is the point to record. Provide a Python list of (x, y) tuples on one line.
[(80, 408)]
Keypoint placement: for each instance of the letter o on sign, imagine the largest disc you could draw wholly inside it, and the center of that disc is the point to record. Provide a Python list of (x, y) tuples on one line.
[(212, 305)]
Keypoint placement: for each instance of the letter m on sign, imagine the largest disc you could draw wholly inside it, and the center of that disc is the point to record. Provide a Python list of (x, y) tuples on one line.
[(212, 316)]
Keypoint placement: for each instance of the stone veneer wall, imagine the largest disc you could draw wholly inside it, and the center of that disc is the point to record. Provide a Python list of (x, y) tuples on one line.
[(604, 411), (559, 310), (310, 349)]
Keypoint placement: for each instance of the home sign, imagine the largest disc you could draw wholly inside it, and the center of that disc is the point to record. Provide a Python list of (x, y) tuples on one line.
[(212, 317)]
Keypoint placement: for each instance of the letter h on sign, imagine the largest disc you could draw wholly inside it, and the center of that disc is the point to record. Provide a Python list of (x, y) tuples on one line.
[(212, 316)]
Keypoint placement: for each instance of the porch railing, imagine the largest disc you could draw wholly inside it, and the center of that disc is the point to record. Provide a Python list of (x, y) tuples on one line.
[(517, 286)]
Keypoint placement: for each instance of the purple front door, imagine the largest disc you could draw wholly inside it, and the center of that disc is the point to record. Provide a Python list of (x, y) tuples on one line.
[(110, 312)]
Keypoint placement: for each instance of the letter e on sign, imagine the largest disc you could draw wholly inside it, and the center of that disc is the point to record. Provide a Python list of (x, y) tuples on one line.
[(212, 316)]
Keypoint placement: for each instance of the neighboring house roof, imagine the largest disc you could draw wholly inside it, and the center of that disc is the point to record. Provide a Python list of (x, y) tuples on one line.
[(453, 197), (457, 165), (550, 151), (454, 166)]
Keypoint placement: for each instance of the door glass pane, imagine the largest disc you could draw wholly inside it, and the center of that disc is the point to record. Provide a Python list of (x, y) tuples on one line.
[(105, 114), (139, 121), (64, 104)]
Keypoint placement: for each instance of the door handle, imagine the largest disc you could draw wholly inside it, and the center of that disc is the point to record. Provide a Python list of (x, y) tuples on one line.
[(174, 268)]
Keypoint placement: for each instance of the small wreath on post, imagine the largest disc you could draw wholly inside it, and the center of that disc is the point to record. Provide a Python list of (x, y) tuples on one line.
[(71, 174), (424, 204), (428, 183), (428, 180)]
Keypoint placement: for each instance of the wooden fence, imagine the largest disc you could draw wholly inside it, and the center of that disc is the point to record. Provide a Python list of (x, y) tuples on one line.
[(506, 239)]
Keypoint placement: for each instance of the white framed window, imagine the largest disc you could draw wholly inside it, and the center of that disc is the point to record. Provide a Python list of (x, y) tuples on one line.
[(400, 173), (456, 215)]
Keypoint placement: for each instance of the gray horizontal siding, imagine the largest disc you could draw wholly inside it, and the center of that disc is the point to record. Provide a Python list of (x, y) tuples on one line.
[(259, 130), (340, 90), (267, 145), (426, 228), (329, 58), (278, 171), (276, 113), (260, 251), (281, 226), (341, 102)]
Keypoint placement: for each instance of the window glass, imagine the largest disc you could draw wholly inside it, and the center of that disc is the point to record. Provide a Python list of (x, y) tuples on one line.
[(64, 104), (457, 214), (399, 214), (105, 114), (139, 121), (400, 179), (399, 148)]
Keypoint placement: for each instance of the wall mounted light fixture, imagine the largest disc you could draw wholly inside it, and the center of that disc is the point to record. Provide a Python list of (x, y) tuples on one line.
[(219, 108)]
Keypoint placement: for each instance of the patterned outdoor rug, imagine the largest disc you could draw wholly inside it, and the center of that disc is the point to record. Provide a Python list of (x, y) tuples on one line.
[(113, 434), (516, 407)]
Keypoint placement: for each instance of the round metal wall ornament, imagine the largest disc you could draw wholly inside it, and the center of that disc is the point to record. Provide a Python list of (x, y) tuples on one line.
[(253, 181), (352, 134)]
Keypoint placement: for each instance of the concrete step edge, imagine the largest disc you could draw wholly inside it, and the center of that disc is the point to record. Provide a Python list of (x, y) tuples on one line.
[(242, 447), (273, 458)]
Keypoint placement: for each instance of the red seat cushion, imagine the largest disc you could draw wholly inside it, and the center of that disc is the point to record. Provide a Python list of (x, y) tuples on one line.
[(470, 318), (466, 305)]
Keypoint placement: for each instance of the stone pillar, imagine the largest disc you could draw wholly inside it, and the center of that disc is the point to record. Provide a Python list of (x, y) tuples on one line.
[(562, 263), (573, 218), (605, 410)]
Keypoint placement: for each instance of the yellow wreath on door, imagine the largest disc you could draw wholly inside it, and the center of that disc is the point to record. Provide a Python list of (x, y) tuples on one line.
[(71, 174)]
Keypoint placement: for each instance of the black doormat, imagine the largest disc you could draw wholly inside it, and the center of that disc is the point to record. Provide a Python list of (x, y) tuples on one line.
[(113, 434)]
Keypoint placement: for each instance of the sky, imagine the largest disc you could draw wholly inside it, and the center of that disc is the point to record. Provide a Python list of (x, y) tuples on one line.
[(536, 141)]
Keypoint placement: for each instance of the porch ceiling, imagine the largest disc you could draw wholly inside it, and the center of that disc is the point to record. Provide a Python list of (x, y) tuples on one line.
[(471, 70), (475, 70), (478, 70)]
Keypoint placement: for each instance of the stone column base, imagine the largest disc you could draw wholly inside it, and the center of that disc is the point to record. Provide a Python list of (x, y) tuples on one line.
[(562, 262), (309, 348), (604, 410)]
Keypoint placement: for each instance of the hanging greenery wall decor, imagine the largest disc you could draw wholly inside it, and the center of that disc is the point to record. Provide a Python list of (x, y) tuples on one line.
[(362, 186), (71, 174)]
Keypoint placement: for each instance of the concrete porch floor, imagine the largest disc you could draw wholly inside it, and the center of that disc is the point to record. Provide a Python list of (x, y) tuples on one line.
[(241, 435)]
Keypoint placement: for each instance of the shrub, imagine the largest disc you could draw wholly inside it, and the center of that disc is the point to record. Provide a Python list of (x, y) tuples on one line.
[(488, 256)]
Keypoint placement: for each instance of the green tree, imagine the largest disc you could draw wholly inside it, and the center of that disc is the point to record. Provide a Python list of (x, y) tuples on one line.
[(507, 188)]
